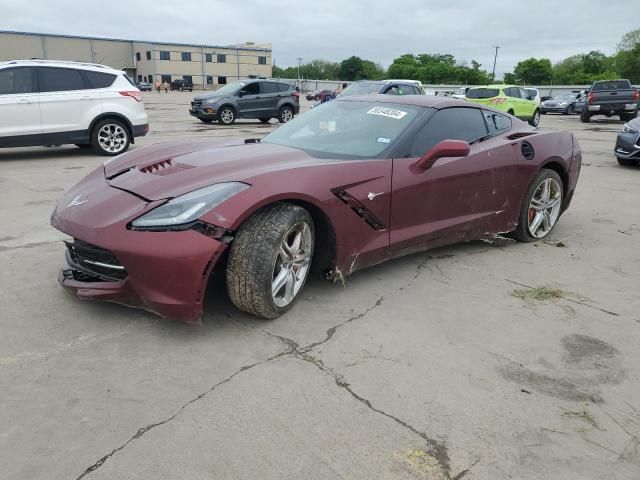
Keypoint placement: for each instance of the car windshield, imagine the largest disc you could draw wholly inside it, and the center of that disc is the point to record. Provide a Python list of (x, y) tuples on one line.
[(361, 88), (346, 129), (482, 92), (230, 88), (564, 98), (612, 85)]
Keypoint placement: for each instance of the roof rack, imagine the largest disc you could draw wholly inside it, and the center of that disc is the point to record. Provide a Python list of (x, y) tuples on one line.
[(62, 62)]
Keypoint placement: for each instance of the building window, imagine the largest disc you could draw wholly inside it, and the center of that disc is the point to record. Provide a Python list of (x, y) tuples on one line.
[(165, 78), (209, 80), (138, 56), (262, 60), (148, 55), (222, 80), (221, 58), (165, 55), (139, 78), (186, 56), (208, 57)]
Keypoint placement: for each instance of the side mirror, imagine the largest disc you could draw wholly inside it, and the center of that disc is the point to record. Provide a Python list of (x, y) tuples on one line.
[(446, 148), (242, 93), (530, 97)]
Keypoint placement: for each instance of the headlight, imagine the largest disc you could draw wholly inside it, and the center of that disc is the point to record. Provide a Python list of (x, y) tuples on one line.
[(627, 129), (188, 207), (211, 100)]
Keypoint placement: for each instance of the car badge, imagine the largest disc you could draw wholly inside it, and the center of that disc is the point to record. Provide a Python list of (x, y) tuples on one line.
[(76, 201), (372, 195)]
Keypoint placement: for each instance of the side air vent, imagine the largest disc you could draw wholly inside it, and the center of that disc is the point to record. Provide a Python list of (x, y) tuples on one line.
[(164, 167), (527, 150), (517, 135)]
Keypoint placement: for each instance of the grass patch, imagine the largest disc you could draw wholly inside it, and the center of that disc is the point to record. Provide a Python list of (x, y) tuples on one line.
[(540, 294)]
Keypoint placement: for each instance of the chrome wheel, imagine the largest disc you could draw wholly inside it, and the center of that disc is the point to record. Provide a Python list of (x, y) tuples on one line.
[(544, 208), (112, 138), (292, 263), (535, 120), (227, 116), (286, 115)]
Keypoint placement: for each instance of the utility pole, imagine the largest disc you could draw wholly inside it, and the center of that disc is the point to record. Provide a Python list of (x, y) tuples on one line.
[(299, 63), (495, 58)]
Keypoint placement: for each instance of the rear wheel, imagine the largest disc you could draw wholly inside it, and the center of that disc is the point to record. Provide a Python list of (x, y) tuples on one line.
[(285, 115), (270, 259), (585, 116), (534, 121), (110, 137), (541, 207), (510, 112), (226, 116), (627, 162)]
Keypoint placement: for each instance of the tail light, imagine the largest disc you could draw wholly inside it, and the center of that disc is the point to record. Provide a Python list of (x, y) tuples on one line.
[(635, 95), (135, 94), (590, 98), (497, 100), (297, 95)]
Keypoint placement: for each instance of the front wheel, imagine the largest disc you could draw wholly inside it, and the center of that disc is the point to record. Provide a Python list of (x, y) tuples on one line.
[(226, 116), (285, 115), (541, 207), (534, 121), (110, 137), (270, 260), (585, 116)]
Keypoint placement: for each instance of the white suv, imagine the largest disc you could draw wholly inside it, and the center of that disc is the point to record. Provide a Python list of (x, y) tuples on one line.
[(44, 102)]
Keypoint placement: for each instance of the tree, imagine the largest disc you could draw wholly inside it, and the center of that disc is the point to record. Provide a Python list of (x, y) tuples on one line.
[(534, 71), (372, 71), (596, 62), (628, 64), (405, 66), (351, 69), (629, 40)]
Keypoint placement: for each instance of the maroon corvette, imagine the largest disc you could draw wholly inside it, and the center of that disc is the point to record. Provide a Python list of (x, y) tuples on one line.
[(346, 185)]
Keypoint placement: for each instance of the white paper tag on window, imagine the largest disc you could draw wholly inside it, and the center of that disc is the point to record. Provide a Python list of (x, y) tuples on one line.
[(384, 140), (387, 112)]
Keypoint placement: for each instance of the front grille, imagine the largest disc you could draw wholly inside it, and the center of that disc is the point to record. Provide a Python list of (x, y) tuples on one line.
[(196, 103), (89, 261)]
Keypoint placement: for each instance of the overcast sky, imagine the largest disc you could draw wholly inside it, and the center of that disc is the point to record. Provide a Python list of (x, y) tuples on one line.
[(333, 30)]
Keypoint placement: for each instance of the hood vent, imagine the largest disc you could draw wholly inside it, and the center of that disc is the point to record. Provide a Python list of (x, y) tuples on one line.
[(527, 150), (164, 167)]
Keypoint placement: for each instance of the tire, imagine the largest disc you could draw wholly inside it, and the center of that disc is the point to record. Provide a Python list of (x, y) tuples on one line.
[(571, 110), (110, 137), (226, 116), (534, 121), (627, 162), (265, 119), (83, 145), (256, 260), (529, 213), (585, 117), (286, 114), (206, 120)]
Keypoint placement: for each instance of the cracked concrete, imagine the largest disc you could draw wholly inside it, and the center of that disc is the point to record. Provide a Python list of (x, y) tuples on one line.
[(425, 367)]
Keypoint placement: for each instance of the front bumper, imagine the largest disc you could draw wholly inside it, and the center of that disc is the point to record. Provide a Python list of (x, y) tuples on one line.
[(628, 146), (554, 109)]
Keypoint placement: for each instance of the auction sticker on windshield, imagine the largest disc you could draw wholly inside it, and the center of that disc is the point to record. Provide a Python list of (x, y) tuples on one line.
[(387, 112)]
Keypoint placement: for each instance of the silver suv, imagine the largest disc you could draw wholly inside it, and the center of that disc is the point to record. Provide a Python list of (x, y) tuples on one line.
[(261, 99)]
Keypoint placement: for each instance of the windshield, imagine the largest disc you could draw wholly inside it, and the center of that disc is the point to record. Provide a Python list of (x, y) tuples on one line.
[(612, 85), (230, 88), (341, 129), (362, 88), (482, 92), (564, 98)]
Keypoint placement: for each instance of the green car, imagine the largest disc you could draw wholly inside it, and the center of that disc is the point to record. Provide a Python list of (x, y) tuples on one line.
[(508, 98)]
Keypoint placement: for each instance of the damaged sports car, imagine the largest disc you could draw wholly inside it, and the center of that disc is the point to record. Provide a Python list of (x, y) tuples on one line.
[(349, 184)]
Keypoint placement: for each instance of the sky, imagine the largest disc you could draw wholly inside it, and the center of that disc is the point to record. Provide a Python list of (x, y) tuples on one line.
[(333, 30)]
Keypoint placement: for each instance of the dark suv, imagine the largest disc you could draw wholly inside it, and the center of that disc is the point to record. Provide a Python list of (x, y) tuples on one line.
[(181, 85), (261, 99)]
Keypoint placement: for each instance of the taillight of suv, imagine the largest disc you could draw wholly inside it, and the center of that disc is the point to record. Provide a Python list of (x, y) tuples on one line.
[(135, 94), (296, 95)]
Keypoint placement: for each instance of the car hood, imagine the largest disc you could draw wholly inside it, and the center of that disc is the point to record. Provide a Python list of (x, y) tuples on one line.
[(635, 124), (168, 170), (206, 96)]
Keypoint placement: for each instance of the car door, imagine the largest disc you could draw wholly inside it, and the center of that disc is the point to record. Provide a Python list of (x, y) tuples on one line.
[(67, 105), (528, 106), (19, 109), (270, 97), (249, 101), (457, 198)]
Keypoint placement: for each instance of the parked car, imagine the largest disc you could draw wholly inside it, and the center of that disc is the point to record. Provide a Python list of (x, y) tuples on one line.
[(565, 104), (315, 95), (460, 93), (181, 85), (144, 86), (384, 87), (611, 97), (534, 94), (261, 99), (507, 98), (46, 102), (344, 186), (627, 149)]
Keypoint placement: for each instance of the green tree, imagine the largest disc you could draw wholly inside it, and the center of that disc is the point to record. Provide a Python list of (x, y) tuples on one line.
[(629, 40), (351, 69), (534, 71), (372, 71), (405, 66), (628, 64)]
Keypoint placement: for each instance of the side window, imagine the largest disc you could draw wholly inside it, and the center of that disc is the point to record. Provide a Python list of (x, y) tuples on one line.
[(251, 88), (60, 79), (16, 80), (268, 87), (497, 123), (515, 92), (394, 90), (449, 124), (405, 90), (102, 80), (283, 87)]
